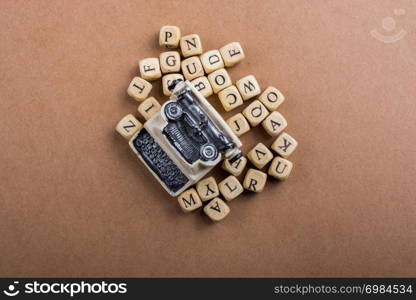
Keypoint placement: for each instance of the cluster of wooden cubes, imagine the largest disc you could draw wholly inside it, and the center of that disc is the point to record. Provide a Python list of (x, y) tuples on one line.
[(207, 72)]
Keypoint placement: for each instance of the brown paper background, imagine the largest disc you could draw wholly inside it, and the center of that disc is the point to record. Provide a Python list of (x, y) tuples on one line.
[(76, 202)]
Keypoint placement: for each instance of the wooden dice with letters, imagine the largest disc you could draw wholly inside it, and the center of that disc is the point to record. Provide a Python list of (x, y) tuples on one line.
[(238, 124), (128, 126), (230, 188), (230, 98), (181, 143), (150, 68), (169, 36), (207, 189), (149, 107), (219, 80), (280, 168), (191, 45), (274, 123), (232, 54), (255, 113), (235, 168), (255, 180), (212, 61), (170, 62), (284, 145), (203, 86), (216, 209), (248, 87), (260, 155), (192, 68), (272, 98), (189, 200), (167, 79), (139, 89)]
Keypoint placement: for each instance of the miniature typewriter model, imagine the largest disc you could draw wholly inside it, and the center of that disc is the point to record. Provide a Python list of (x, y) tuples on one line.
[(185, 140)]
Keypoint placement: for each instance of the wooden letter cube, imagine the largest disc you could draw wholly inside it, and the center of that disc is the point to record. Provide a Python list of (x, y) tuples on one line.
[(235, 168), (128, 126), (232, 54), (191, 45), (230, 188), (216, 210), (192, 68), (167, 79), (219, 80), (248, 87), (280, 168), (189, 200), (212, 61), (170, 62), (150, 68), (230, 98), (238, 124), (207, 189), (260, 155), (272, 98), (149, 107), (255, 180), (169, 36), (139, 89), (203, 86), (284, 145), (274, 123), (255, 113)]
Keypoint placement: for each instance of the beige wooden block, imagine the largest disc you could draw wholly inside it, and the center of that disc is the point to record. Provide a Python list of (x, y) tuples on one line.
[(230, 188), (216, 209), (274, 123), (203, 86), (248, 87), (170, 62), (238, 124), (150, 68), (207, 189), (189, 200), (166, 80), (255, 180), (260, 155), (255, 113), (139, 89), (232, 54), (128, 126), (230, 98), (235, 168), (192, 68), (212, 61), (169, 36), (284, 145), (272, 98), (149, 107), (280, 168), (191, 45), (219, 80)]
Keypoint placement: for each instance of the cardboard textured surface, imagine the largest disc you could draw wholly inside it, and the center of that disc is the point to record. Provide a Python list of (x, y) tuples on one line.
[(75, 201)]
